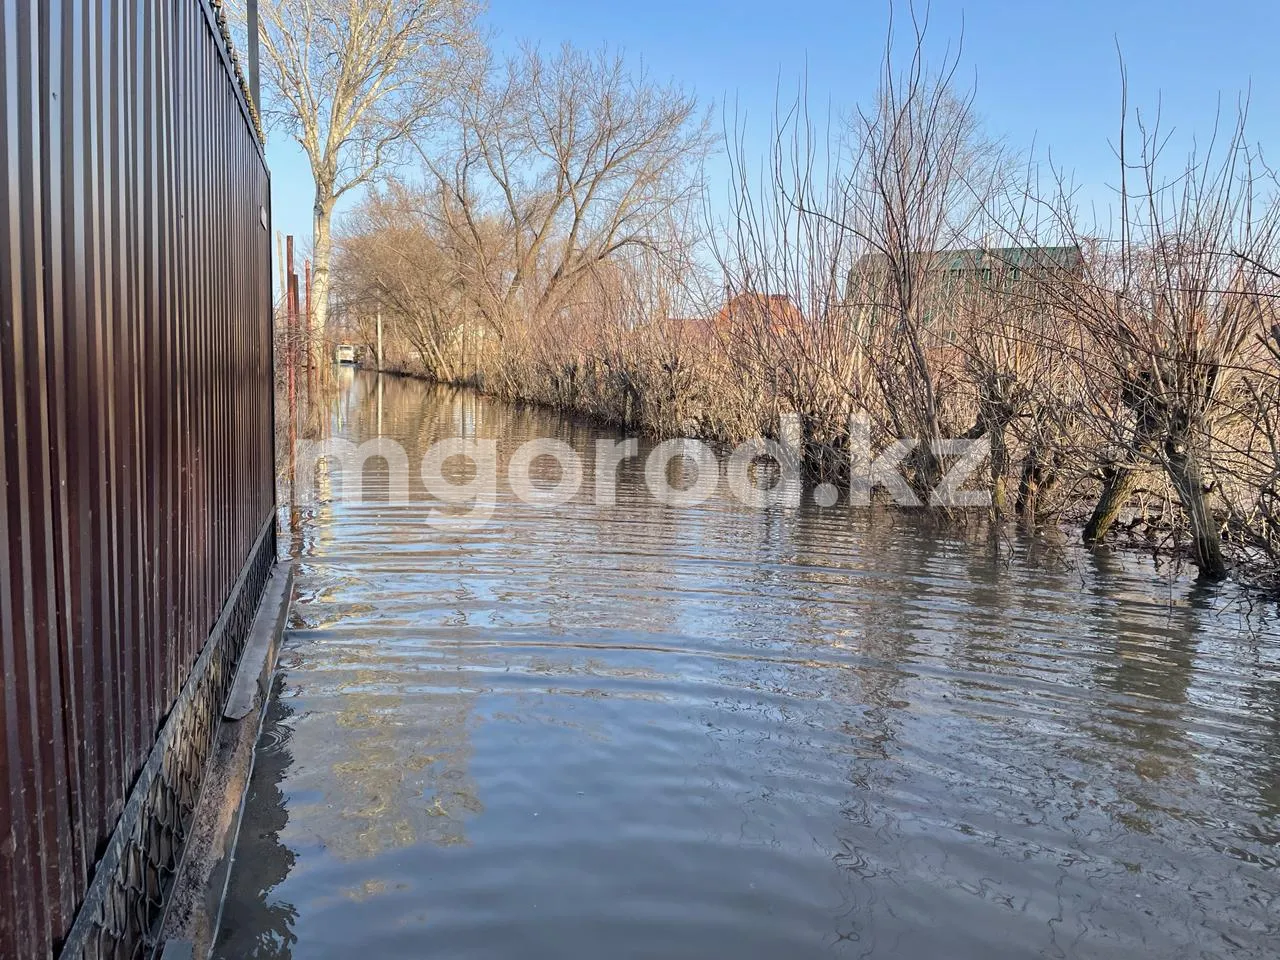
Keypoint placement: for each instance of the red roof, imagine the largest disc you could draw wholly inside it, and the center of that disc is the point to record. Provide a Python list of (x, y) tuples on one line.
[(776, 311)]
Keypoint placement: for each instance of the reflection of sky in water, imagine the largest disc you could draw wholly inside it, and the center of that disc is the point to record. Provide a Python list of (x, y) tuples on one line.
[(655, 732)]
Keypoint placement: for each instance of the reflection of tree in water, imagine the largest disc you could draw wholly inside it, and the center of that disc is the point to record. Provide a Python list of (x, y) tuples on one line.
[(392, 789), (1265, 692), (893, 624), (848, 594), (254, 922), (1259, 653), (397, 776), (1255, 768), (1150, 670)]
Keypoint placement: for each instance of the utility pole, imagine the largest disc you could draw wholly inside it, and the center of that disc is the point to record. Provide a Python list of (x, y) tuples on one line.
[(291, 352), (379, 371), (313, 356)]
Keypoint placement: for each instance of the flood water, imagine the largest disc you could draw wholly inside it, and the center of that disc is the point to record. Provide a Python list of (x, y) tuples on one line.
[(709, 731)]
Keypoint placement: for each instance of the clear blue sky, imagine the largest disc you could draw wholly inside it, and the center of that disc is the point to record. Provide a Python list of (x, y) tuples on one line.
[(1045, 72)]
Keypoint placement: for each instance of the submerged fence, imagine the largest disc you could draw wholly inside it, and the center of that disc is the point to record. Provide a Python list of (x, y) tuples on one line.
[(135, 399)]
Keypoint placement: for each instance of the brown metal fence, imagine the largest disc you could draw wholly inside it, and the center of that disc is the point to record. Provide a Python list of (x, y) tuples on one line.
[(135, 399)]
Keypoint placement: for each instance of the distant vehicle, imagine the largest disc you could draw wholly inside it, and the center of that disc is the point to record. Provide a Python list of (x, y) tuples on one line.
[(344, 353)]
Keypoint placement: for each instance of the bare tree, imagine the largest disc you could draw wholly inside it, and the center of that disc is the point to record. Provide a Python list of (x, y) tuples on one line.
[(389, 262), (1174, 316), (558, 164), (918, 193), (350, 80), (785, 254), (859, 230), (1004, 333)]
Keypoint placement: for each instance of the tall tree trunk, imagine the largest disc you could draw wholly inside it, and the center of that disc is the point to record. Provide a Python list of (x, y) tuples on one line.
[(1183, 466), (322, 239)]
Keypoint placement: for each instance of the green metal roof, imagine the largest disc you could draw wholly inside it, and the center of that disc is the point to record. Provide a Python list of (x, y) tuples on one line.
[(988, 258)]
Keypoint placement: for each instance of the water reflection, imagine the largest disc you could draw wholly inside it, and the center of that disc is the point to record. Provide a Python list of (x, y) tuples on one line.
[(646, 731), (383, 788), (259, 923)]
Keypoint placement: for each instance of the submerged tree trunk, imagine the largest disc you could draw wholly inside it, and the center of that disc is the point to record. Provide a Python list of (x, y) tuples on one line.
[(1183, 466), (1028, 502), (1120, 484), (1121, 479), (1039, 476), (926, 466), (996, 430)]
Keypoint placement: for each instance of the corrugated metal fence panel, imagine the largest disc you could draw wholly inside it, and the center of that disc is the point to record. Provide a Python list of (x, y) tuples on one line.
[(135, 360)]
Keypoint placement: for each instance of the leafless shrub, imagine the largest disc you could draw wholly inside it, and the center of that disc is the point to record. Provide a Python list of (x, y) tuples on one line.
[(1165, 324)]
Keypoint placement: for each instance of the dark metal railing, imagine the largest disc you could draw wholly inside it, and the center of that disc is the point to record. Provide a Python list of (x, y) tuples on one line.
[(136, 404)]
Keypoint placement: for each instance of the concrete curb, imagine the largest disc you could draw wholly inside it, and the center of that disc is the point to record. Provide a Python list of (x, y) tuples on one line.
[(190, 926)]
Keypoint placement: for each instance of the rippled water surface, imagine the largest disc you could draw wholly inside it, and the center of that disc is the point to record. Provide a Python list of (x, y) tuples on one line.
[(717, 731)]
